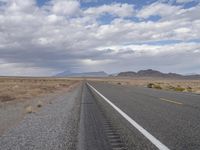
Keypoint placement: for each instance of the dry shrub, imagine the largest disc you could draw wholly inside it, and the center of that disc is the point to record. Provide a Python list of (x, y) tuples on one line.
[(39, 104), (25, 88), (179, 88), (170, 87), (29, 109), (119, 83), (63, 85), (166, 84), (150, 85), (156, 86), (6, 98), (189, 89)]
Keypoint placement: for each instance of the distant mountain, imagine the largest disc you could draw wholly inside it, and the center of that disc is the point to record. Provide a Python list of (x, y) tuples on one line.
[(65, 73), (127, 74), (155, 73), (174, 75), (142, 73), (150, 72), (113, 74), (83, 74), (197, 76)]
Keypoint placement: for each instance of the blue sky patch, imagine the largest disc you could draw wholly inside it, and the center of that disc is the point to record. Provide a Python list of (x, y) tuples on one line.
[(42, 2), (154, 18), (105, 18)]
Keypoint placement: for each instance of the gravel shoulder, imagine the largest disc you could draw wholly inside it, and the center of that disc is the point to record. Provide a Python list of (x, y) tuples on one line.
[(53, 127)]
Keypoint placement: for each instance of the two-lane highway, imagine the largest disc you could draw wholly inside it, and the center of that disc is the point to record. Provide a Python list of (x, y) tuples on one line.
[(172, 117)]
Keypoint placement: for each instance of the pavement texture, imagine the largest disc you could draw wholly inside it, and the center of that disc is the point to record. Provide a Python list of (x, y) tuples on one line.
[(54, 127), (96, 131), (171, 117), (80, 119)]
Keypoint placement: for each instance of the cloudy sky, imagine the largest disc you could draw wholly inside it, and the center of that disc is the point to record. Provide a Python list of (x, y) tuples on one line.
[(45, 37)]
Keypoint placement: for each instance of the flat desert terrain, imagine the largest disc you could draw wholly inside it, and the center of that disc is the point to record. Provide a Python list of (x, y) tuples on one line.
[(67, 113), (23, 88), (22, 96), (178, 85)]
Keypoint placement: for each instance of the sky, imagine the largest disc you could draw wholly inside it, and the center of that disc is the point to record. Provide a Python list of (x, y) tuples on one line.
[(46, 37)]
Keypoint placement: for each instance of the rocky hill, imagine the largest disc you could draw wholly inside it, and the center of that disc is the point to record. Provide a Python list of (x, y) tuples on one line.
[(155, 73)]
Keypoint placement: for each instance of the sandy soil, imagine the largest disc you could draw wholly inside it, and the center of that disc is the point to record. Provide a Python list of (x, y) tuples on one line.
[(54, 126), (160, 83), (30, 96), (25, 88), (21, 96)]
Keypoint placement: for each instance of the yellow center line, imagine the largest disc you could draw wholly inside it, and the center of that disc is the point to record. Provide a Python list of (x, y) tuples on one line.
[(171, 101)]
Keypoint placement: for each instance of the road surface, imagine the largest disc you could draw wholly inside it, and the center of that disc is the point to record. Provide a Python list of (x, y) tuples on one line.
[(96, 132), (172, 117), (110, 117)]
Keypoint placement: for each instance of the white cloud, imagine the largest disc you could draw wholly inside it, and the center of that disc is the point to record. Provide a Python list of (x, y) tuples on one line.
[(67, 8), (117, 9), (141, 50), (169, 12), (181, 57), (157, 8), (185, 1), (62, 35), (16, 6), (91, 62)]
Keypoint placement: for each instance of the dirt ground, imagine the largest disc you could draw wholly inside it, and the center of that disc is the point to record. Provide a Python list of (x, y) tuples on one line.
[(24, 88), (158, 83), (23, 96), (12, 89)]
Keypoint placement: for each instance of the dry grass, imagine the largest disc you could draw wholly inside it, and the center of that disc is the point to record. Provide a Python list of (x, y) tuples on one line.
[(164, 84), (23, 88)]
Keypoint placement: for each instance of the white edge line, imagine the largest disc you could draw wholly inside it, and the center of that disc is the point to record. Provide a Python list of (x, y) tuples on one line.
[(150, 137)]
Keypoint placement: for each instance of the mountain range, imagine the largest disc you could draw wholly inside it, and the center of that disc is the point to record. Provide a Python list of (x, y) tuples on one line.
[(141, 73), (155, 73)]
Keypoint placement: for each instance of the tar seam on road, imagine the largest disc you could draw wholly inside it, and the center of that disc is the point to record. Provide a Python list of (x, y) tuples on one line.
[(171, 101), (150, 137)]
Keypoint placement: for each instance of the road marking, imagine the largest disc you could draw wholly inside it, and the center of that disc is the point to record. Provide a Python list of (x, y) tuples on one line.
[(171, 101), (150, 137)]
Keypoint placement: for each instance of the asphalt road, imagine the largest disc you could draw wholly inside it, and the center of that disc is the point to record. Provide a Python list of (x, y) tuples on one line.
[(172, 117), (96, 132)]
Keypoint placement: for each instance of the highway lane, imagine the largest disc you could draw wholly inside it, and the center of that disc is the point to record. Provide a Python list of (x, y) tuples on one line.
[(173, 118), (92, 135), (95, 128)]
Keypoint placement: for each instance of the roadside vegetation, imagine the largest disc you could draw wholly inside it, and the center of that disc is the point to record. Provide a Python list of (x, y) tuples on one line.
[(178, 85), (173, 87), (155, 86), (23, 96), (24, 88)]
